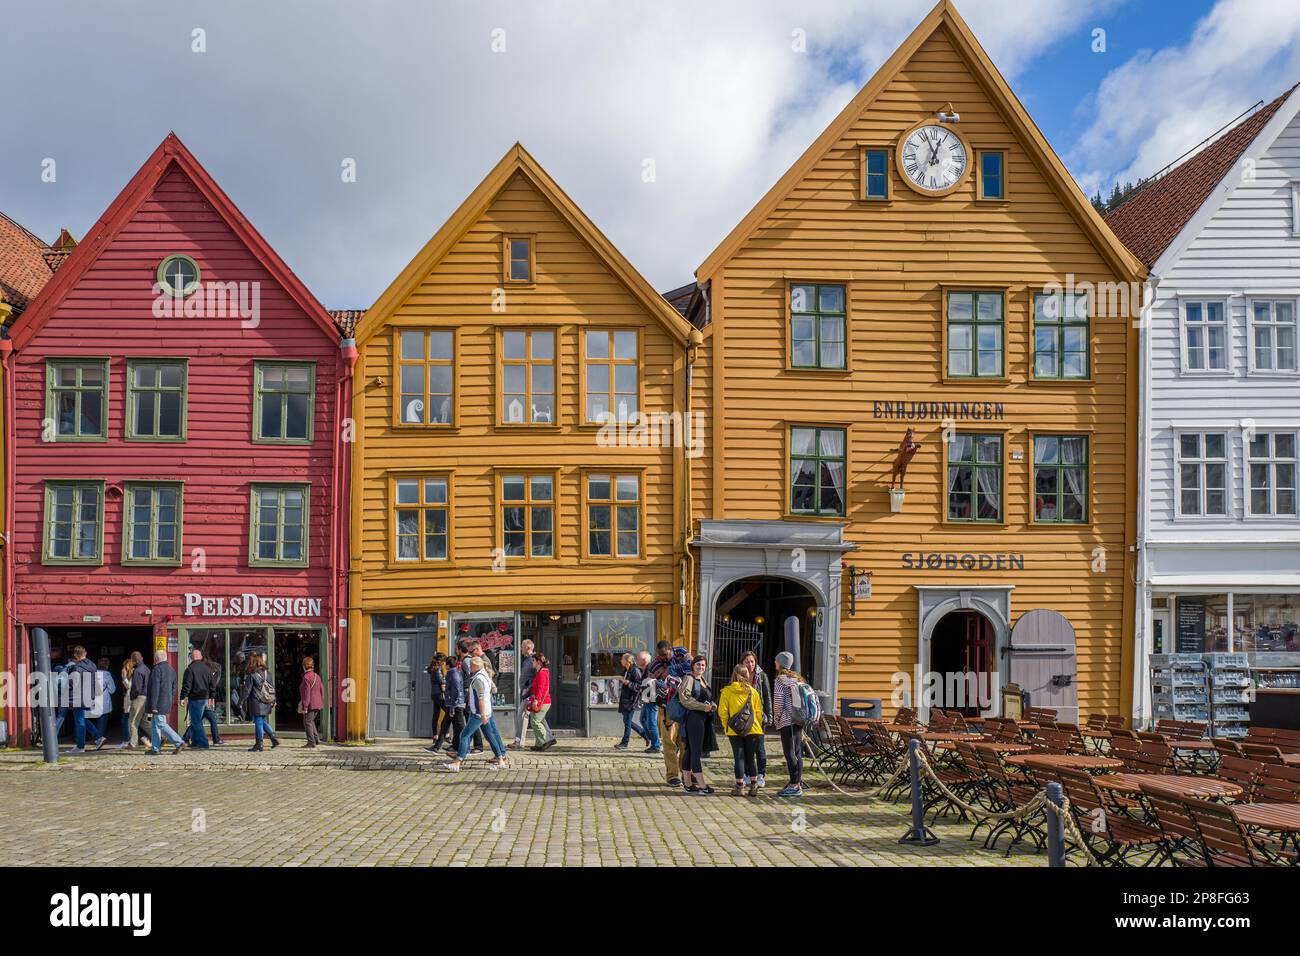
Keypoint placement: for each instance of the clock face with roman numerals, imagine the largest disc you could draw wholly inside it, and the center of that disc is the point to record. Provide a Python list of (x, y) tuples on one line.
[(933, 159)]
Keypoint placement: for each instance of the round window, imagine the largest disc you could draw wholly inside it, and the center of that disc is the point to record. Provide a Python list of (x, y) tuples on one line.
[(178, 275)]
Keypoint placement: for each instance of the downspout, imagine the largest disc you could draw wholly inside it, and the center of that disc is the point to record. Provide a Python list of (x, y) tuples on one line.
[(9, 638), (340, 525), (1142, 610)]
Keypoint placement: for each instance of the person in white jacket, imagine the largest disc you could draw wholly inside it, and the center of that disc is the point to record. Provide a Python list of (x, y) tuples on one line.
[(103, 708)]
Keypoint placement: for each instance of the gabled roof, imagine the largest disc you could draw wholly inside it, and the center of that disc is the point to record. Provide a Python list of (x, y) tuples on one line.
[(171, 152), (944, 16), (517, 161), (1152, 218), (23, 270)]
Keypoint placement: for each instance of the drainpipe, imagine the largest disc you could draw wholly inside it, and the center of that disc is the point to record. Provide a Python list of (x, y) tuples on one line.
[(1138, 707), (8, 639), (340, 525)]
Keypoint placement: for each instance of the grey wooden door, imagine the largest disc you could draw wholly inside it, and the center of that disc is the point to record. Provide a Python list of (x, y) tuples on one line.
[(392, 683), (1043, 662)]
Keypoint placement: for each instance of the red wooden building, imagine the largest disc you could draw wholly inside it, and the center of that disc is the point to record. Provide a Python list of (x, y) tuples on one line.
[(178, 466)]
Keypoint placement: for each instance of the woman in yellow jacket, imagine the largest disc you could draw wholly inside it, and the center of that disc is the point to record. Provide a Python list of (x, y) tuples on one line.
[(744, 730)]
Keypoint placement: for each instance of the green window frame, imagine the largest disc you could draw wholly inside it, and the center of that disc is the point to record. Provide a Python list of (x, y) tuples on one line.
[(975, 475), (993, 174), (1062, 330), (1060, 479), (976, 334), (875, 174), (150, 389), (153, 520), (73, 524), (284, 401), (818, 470), (279, 525), (75, 390), (819, 326)]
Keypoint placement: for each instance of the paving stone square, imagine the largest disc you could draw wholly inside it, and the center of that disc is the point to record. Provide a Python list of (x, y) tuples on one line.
[(580, 804)]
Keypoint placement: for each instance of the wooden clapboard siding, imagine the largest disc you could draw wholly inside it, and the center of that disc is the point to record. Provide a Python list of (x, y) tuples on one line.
[(103, 307), (895, 259), (577, 285)]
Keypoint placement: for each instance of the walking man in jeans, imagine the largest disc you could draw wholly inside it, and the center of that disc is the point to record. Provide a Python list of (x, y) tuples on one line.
[(159, 697), (650, 709), (197, 693)]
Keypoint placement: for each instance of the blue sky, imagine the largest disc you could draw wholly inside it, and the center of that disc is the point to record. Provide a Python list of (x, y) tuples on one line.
[(714, 95)]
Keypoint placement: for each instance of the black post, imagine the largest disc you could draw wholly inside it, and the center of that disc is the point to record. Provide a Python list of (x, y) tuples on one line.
[(1056, 825), (918, 835), (792, 641), (45, 710)]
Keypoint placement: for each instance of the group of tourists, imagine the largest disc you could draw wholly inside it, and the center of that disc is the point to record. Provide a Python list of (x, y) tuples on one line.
[(667, 701), (84, 691), (463, 687)]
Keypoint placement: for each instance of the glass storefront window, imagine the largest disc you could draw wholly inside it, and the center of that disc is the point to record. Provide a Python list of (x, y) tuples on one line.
[(1201, 624), (497, 637), (613, 634), (228, 651), (1266, 622)]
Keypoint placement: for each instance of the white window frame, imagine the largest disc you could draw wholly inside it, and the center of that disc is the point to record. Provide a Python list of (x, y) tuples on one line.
[(1203, 301), (1250, 336), (1202, 461), (1247, 484)]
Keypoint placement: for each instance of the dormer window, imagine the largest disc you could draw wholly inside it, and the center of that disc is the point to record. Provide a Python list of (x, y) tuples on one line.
[(178, 275)]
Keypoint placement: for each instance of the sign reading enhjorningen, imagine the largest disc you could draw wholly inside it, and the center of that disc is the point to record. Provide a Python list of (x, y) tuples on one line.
[(251, 605)]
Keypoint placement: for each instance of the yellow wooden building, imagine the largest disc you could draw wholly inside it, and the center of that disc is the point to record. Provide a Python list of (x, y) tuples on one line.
[(927, 264), (520, 461)]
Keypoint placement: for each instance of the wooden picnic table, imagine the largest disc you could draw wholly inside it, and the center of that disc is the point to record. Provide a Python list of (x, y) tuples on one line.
[(1277, 817), (947, 736), (1191, 744), (1069, 761), (1175, 784)]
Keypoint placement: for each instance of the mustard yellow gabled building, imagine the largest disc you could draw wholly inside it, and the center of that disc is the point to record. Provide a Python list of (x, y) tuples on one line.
[(519, 466), (928, 265)]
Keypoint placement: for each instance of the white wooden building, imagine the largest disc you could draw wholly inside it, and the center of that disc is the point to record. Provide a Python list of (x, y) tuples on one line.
[(1219, 428)]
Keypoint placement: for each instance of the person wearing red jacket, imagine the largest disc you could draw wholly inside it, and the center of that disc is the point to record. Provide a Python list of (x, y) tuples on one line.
[(311, 700), (539, 702)]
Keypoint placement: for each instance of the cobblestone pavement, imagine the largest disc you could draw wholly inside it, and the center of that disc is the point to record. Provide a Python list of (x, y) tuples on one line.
[(578, 804)]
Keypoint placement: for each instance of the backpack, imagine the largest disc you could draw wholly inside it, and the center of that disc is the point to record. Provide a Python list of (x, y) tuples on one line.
[(676, 709), (807, 706), (742, 721), (263, 690)]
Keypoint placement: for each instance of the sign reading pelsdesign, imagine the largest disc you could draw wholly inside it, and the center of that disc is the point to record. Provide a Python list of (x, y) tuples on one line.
[(251, 605)]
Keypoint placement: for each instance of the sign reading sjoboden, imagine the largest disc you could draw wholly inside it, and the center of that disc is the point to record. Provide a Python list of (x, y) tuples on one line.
[(251, 605)]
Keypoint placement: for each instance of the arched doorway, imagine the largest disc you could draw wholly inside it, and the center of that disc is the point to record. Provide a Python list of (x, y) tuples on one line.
[(751, 615), (962, 662)]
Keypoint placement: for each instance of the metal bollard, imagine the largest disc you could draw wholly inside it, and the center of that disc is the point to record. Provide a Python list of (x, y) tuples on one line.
[(919, 834), (41, 652), (1056, 825)]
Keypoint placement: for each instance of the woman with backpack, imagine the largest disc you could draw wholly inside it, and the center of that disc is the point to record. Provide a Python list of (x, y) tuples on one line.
[(259, 701), (696, 698), (740, 708), (785, 688), (629, 697)]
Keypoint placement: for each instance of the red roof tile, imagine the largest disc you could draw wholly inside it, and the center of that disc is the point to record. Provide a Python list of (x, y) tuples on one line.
[(1154, 216), (347, 320), (23, 269)]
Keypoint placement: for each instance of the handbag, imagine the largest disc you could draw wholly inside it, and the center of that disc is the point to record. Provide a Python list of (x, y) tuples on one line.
[(742, 720)]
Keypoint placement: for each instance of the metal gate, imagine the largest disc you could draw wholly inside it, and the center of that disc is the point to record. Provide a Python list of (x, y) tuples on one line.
[(731, 639)]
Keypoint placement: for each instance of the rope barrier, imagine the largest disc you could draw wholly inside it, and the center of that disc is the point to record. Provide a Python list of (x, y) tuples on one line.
[(1030, 808), (1072, 829)]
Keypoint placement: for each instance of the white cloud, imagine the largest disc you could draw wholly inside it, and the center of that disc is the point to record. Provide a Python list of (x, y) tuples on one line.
[(1161, 103), (711, 91)]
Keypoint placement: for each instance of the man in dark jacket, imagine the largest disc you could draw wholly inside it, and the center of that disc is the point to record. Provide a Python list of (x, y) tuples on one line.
[(665, 671), (527, 671), (159, 697), (83, 693), (197, 694)]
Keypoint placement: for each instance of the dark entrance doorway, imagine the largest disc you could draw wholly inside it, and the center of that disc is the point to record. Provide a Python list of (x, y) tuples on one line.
[(114, 643), (560, 639), (291, 646), (961, 658), (751, 615)]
